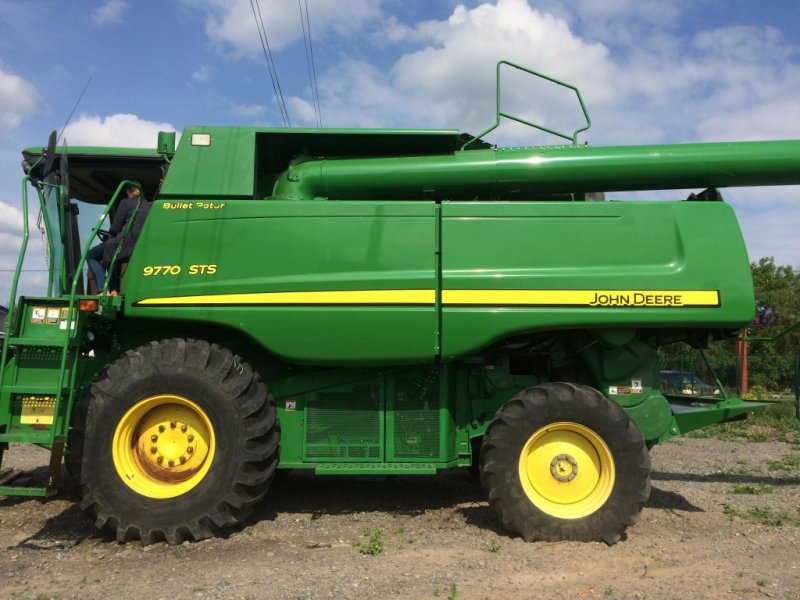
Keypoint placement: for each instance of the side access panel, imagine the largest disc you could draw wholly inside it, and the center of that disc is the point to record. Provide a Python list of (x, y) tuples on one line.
[(510, 268), (319, 282), (399, 421)]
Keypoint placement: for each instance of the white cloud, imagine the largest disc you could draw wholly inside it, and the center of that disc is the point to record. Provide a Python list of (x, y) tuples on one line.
[(232, 25), (249, 110), (458, 64), (768, 217), (700, 87), (18, 99), (203, 73), (302, 112), (766, 121), (656, 86), (10, 219), (33, 280), (447, 79), (110, 13), (116, 130)]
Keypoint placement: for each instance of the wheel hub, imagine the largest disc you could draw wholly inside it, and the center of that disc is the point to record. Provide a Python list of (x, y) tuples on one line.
[(163, 446), (564, 468), (167, 450)]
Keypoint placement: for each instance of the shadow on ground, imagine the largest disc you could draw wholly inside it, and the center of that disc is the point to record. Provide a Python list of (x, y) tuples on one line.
[(302, 492)]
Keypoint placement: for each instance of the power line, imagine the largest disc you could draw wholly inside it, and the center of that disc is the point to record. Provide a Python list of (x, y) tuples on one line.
[(69, 118), (273, 73), (312, 72)]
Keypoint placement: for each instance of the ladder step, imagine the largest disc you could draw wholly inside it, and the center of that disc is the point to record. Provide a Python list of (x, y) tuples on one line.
[(20, 479), (36, 492), (9, 476)]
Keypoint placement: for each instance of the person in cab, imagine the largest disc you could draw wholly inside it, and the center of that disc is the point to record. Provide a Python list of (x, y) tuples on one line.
[(100, 256)]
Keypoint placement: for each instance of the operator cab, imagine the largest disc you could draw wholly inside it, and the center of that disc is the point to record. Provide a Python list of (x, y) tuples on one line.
[(76, 186)]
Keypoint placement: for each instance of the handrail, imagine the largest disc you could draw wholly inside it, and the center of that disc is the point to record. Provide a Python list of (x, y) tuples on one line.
[(21, 259), (79, 276), (37, 185), (72, 309), (499, 113)]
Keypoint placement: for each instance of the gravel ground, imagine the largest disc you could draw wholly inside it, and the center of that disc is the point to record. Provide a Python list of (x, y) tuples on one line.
[(722, 522)]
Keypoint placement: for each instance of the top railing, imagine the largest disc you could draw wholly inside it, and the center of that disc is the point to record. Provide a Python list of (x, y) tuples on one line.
[(499, 113)]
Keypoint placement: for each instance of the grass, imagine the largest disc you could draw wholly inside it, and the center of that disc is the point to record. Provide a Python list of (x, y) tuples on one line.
[(374, 546), (775, 422), (492, 546), (756, 490), (787, 463), (452, 595), (764, 516)]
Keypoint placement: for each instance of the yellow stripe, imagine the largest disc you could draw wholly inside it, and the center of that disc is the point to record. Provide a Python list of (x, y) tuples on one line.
[(331, 297), (574, 298), (589, 298)]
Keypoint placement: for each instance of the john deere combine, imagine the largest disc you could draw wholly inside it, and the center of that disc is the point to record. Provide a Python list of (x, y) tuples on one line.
[(374, 302)]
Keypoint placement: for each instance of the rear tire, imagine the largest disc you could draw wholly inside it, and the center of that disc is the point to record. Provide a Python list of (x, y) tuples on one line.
[(563, 462), (181, 441)]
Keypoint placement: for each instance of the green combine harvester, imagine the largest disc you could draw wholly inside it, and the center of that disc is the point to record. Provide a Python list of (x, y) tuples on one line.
[(373, 302)]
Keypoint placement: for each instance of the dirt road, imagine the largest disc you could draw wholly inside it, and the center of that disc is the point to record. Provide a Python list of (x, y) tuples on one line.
[(722, 522)]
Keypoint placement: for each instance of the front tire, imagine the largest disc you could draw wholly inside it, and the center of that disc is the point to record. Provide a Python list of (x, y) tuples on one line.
[(563, 462), (181, 440)]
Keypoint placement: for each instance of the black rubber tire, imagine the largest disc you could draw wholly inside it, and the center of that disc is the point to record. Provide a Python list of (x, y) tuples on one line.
[(242, 414), (550, 403)]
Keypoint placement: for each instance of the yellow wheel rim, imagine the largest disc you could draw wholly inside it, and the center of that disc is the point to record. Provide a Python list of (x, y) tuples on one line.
[(566, 470), (163, 446)]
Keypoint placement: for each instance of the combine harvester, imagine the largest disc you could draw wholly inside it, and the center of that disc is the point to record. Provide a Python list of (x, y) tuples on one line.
[(375, 302)]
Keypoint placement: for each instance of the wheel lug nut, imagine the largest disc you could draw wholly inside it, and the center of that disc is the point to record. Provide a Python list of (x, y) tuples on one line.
[(183, 459), (171, 463), (190, 437), (173, 424), (154, 438), (190, 449), (161, 428), (184, 428), (160, 459), (153, 449)]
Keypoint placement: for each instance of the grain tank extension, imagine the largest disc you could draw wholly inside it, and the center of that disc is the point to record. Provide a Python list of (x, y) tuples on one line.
[(366, 302)]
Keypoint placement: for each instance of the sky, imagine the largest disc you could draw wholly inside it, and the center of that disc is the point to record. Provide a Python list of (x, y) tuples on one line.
[(650, 72)]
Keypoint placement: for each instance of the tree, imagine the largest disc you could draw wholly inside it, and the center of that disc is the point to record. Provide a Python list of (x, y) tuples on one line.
[(772, 363)]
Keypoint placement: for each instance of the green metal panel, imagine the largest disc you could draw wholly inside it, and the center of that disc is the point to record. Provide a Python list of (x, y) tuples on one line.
[(414, 430), (689, 417), (345, 424), (224, 168), (493, 251), (226, 261)]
